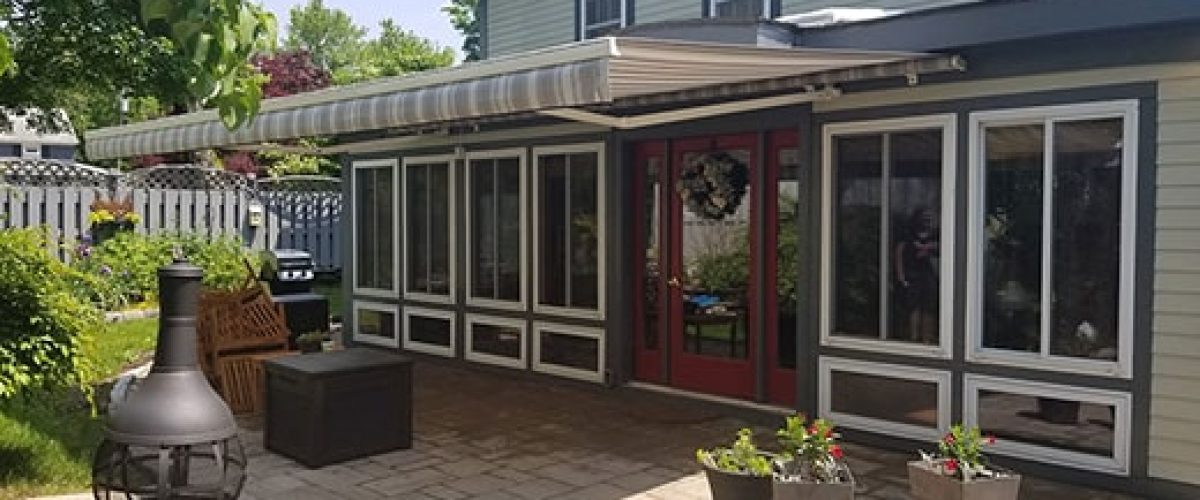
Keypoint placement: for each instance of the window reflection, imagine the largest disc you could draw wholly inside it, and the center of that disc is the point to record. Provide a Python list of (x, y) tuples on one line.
[(787, 253), (568, 230), (495, 253), (1058, 423)]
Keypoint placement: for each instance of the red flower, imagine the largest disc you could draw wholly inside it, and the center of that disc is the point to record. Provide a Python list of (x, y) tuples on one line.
[(991, 439), (828, 432), (952, 465), (836, 451), (949, 439)]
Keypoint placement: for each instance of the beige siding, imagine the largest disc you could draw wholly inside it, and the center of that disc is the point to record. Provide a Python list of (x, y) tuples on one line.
[(520, 25), (652, 11), (798, 6), (1175, 400)]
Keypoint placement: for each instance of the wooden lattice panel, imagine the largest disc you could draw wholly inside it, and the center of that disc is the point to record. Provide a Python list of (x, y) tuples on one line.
[(56, 173)]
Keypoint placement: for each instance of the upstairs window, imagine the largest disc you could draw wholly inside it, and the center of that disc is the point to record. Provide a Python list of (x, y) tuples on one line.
[(601, 17), (739, 8)]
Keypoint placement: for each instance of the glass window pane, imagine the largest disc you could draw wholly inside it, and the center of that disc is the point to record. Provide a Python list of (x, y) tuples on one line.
[(914, 199), (1057, 423), (1087, 238), (904, 401), (572, 351), (651, 201), (374, 323), (552, 233), (417, 207), (496, 340), (375, 209), (858, 174), (584, 226), (483, 224), (508, 228), (738, 8), (787, 248), (1013, 237), (440, 257), (425, 330), (602, 11)]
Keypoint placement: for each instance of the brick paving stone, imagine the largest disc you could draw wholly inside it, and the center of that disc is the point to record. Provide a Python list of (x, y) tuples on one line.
[(466, 467), (639, 481), (600, 491), (578, 474), (513, 476), (539, 488), (406, 482), (443, 493), (477, 484)]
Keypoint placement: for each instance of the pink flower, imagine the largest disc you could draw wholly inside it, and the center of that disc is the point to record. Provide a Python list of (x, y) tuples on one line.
[(949, 439), (991, 439), (836, 451), (951, 465)]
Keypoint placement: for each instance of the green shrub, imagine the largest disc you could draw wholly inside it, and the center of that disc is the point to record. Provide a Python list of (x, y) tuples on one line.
[(127, 265), (45, 324)]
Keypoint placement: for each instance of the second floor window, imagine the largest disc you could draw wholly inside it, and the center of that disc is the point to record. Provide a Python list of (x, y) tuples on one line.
[(601, 17), (740, 8)]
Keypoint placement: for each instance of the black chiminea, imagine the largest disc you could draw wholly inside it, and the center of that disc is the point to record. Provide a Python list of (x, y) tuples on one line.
[(172, 437)]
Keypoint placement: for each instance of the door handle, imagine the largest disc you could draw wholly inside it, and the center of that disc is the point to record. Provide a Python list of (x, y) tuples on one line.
[(674, 282)]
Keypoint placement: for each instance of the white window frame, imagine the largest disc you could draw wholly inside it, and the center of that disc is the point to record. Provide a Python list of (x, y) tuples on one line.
[(1047, 116), (948, 123), (766, 10), (482, 357), (393, 309), (827, 365), (427, 348), (1116, 464), (450, 161), (392, 164), (584, 27), (576, 312), (521, 155), (596, 334)]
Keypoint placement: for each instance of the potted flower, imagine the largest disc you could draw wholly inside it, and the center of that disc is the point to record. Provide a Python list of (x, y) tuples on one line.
[(738, 472), (960, 471), (109, 217), (810, 466), (311, 342)]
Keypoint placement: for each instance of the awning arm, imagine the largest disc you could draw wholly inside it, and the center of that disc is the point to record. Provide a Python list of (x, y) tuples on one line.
[(693, 113)]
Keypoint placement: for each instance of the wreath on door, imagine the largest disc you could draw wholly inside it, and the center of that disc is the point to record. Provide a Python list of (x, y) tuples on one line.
[(713, 185)]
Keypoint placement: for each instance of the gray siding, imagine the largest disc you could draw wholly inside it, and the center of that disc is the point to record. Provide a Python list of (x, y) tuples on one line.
[(1175, 407), (798, 6), (519, 25), (652, 11)]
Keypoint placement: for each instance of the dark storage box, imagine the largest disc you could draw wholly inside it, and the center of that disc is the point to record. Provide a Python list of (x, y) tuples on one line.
[(335, 406)]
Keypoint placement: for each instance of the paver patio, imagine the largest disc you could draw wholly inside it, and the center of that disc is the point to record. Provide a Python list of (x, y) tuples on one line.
[(485, 434)]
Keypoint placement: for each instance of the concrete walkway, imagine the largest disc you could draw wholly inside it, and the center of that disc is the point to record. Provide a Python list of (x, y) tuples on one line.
[(483, 434)]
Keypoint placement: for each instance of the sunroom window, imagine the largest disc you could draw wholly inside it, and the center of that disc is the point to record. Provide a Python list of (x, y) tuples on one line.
[(1053, 240), (496, 229), (374, 226), (740, 8), (569, 229), (886, 269), (601, 17), (427, 217)]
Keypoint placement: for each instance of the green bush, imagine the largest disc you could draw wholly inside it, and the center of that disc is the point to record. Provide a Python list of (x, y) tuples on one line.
[(127, 265), (46, 324)]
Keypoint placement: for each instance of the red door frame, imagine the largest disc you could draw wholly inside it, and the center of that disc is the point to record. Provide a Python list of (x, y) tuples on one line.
[(648, 361), (781, 382), (713, 375)]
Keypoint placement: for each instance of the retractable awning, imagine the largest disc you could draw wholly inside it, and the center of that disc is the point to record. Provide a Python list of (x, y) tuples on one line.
[(593, 74)]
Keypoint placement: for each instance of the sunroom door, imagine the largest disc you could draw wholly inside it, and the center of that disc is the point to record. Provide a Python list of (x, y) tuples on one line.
[(710, 284)]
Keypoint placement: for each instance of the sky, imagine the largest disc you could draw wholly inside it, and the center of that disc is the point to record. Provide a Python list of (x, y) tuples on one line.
[(424, 17)]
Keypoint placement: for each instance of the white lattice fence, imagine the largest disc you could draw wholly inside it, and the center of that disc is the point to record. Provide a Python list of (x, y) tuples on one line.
[(301, 213)]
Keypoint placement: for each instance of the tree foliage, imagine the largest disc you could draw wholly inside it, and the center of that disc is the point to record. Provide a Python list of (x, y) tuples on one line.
[(329, 34), (291, 72), (183, 53), (464, 15), (397, 52)]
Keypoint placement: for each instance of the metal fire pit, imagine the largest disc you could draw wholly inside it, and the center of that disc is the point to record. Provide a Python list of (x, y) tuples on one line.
[(173, 437)]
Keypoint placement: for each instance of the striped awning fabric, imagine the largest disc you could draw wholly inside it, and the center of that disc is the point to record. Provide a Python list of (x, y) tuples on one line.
[(594, 72)]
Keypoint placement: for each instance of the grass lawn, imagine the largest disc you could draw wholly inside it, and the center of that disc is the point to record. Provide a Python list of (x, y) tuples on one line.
[(47, 439), (332, 290)]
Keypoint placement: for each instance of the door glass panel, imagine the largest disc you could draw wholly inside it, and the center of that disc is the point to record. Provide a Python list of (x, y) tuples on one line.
[(715, 253), (1087, 238), (1012, 274), (651, 239), (787, 254)]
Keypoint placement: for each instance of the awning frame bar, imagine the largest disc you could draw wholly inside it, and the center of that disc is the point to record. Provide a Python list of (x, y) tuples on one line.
[(692, 113)]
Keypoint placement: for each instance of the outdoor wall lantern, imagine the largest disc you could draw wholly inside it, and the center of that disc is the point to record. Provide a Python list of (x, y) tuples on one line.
[(256, 214), (173, 437)]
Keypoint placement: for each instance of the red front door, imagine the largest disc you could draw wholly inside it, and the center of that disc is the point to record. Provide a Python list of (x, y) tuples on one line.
[(710, 284)]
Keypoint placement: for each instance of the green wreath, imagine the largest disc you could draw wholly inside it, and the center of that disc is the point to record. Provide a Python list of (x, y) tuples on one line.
[(712, 185)]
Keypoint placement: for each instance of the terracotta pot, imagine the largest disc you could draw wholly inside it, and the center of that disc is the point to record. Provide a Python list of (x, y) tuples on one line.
[(928, 484), (730, 486)]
